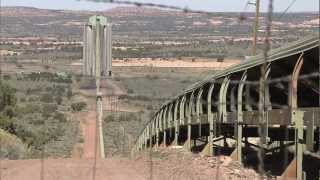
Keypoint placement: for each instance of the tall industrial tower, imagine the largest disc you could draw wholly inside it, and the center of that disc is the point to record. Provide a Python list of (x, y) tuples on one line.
[(97, 62), (97, 46)]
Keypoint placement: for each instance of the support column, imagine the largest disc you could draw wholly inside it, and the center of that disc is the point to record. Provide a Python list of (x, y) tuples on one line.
[(294, 169), (264, 102), (189, 112), (160, 122), (310, 133), (198, 104), (222, 110), (176, 123), (170, 120), (157, 129), (149, 135), (146, 138), (164, 120), (222, 104), (208, 150), (181, 110), (238, 127), (297, 117)]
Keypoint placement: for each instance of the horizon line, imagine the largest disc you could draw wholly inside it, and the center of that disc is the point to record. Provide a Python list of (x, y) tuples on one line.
[(163, 9)]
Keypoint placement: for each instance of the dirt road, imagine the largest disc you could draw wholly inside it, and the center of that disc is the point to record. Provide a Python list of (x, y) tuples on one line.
[(71, 169), (91, 140), (167, 164)]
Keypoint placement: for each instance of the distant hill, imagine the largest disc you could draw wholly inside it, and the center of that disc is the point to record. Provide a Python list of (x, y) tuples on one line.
[(148, 23)]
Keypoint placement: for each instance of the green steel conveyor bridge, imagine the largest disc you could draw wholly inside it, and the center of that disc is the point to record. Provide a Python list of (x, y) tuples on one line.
[(279, 106)]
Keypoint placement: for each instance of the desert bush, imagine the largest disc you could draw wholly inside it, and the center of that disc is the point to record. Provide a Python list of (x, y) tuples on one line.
[(130, 91), (6, 77), (110, 118), (47, 98), (7, 96), (78, 106), (58, 99), (12, 147), (48, 109)]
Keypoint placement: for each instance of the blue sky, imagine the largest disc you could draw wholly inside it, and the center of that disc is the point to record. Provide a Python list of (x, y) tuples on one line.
[(208, 5)]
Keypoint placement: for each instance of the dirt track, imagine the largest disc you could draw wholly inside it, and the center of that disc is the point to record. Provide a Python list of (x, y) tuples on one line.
[(71, 169), (81, 167), (172, 167), (89, 134)]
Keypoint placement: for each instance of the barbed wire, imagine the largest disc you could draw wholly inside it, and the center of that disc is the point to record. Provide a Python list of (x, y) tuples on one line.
[(153, 5), (287, 9), (217, 81)]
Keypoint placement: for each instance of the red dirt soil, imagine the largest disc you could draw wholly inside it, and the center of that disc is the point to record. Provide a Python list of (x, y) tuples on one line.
[(91, 140), (172, 165)]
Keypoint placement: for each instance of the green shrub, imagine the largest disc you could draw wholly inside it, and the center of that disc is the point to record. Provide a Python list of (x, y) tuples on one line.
[(130, 91), (58, 99), (47, 98), (7, 96), (78, 106), (48, 109)]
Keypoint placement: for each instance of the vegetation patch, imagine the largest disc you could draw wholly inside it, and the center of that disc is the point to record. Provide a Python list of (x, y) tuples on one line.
[(34, 111)]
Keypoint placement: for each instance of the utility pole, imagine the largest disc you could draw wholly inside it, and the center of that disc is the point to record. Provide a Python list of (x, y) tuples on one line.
[(255, 28)]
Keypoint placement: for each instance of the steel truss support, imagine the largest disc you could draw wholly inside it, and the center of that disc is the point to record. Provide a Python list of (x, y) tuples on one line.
[(310, 133), (208, 149), (156, 121), (223, 100), (295, 170), (181, 109), (176, 123), (145, 134), (164, 120), (151, 133), (264, 103), (238, 125), (198, 109), (222, 108), (187, 144), (169, 120)]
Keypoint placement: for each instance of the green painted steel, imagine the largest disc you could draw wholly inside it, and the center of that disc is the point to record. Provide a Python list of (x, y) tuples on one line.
[(238, 134), (157, 123), (263, 103), (198, 104), (210, 118), (101, 20), (222, 104), (189, 116), (274, 55), (310, 133), (176, 122), (191, 110), (297, 117), (181, 110)]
